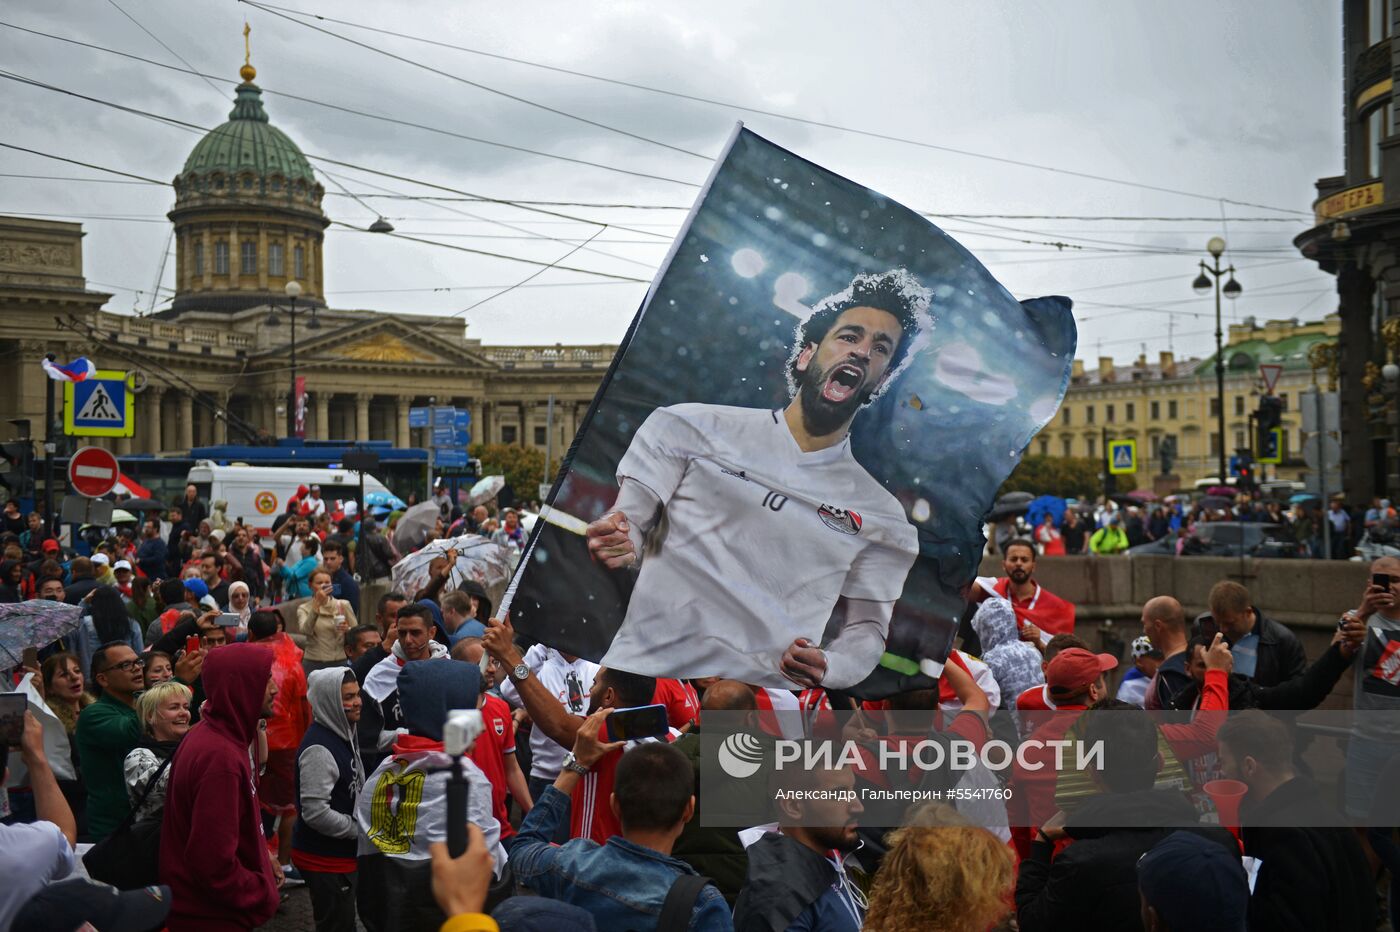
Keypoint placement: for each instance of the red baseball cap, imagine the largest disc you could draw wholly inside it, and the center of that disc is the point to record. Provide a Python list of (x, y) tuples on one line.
[(49, 544), (1074, 669)]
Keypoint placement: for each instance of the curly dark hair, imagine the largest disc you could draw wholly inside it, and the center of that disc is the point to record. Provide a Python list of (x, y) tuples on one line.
[(896, 292)]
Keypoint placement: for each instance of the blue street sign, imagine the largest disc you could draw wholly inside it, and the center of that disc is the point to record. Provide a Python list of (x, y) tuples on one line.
[(449, 457), (1122, 457), (444, 437), (463, 419), (417, 417), (101, 406), (444, 417)]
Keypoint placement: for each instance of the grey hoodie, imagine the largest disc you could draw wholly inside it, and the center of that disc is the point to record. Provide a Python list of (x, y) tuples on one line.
[(316, 765)]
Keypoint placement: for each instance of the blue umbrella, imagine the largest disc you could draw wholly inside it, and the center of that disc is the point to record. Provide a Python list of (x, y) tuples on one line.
[(1046, 504), (387, 499), (1302, 497)]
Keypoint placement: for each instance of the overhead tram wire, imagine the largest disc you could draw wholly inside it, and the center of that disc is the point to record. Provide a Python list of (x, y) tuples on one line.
[(195, 128), (282, 11), (467, 249), (483, 87)]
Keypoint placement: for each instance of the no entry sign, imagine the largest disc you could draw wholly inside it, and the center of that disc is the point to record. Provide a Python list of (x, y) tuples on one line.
[(93, 472)]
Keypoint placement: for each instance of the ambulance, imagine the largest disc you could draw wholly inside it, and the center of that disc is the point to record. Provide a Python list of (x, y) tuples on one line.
[(259, 494)]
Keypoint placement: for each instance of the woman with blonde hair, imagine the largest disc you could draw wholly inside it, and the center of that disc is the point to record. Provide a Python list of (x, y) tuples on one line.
[(323, 620), (941, 874), (164, 711)]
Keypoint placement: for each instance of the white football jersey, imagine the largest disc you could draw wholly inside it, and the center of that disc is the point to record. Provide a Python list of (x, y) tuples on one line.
[(756, 542)]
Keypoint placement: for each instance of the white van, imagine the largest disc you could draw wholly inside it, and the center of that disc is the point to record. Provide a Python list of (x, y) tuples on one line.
[(258, 494)]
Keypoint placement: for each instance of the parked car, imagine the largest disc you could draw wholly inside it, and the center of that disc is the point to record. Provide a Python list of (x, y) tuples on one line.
[(1229, 539)]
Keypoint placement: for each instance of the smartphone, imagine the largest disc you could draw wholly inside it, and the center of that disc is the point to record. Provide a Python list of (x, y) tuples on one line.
[(1381, 579), (643, 721), (227, 620), (1209, 627), (12, 707), (191, 643)]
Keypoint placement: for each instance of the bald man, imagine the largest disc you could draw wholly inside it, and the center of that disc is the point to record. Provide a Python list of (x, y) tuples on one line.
[(1376, 686), (1164, 623)]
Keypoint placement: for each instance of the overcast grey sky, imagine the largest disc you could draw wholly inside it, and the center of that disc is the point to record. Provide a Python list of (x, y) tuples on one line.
[(1238, 101)]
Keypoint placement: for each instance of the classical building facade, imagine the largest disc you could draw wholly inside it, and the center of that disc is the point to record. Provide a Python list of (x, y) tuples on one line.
[(1356, 237), (1151, 401), (216, 365)]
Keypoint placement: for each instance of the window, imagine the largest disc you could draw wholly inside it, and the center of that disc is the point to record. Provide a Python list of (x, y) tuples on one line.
[(1156, 446), (1089, 447), (1044, 447), (1064, 418), (541, 436), (248, 258), (1214, 444), (1239, 440), (1108, 414), (199, 258), (1131, 412), (1375, 128), (1067, 446), (1215, 407), (298, 263), (221, 258), (1155, 410), (276, 260), (1239, 404), (1377, 20), (1283, 400), (1089, 415), (508, 432), (1171, 410)]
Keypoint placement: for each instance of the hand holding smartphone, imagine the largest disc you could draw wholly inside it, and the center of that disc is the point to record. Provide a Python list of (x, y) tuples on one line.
[(12, 709), (191, 643), (643, 721)]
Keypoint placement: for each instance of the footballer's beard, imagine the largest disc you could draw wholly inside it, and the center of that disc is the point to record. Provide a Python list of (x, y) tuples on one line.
[(1020, 576), (821, 417)]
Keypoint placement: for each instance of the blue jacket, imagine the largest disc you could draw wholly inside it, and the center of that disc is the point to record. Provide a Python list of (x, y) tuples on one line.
[(622, 884), (298, 577)]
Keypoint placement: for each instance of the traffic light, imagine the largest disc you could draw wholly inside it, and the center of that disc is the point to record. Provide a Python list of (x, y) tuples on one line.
[(1268, 416), (17, 468), (1245, 470)]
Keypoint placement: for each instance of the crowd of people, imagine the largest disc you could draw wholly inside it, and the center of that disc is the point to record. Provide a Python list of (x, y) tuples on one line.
[(1111, 526), (234, 717)]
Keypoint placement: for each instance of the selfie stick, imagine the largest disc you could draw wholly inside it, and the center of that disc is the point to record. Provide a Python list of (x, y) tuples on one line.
[(457, 809)]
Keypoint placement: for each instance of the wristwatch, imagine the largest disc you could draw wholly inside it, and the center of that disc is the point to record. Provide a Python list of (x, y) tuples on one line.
[(520, 672), (571, 763)]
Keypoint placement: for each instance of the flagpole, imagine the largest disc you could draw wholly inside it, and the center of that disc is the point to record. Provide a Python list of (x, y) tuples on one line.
[(50, 445)]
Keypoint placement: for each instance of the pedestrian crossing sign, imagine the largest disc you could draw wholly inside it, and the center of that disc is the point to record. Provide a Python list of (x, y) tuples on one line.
[(1273, 447), (1122, 457), (100, 406)]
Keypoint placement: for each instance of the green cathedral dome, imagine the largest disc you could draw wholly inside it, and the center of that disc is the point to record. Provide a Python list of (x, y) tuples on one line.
[(248, 143)]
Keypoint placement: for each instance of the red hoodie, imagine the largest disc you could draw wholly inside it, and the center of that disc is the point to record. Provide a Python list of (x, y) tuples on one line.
[(212, 851)]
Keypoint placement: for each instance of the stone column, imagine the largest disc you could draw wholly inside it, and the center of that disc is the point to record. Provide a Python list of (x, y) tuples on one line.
[(289, 261), (150, 415), (262, 257), (185, 421), (362, 416), (323, 415), (208, 276), (235, 257), (401, 405), (311, 267)]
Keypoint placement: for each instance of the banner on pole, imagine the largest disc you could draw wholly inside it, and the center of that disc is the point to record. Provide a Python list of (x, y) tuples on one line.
[(300, 402), (803, 427)]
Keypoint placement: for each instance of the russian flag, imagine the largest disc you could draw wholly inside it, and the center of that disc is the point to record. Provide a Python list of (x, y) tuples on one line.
[(76, 371)]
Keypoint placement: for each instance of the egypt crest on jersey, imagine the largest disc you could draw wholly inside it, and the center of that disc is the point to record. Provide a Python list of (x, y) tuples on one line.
[(839, 519)]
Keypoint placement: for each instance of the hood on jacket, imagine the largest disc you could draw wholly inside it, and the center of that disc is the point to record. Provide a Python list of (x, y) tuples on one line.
[(995, 623), (436, 610), (785, 877), (235, 681), (428, 690), (483, 601), (323, 693)]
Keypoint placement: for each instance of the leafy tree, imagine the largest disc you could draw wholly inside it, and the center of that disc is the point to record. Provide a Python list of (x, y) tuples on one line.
[(1063, 476), (523, 467)]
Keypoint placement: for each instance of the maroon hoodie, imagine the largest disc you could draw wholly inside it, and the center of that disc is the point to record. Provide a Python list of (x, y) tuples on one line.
[(212, 851)]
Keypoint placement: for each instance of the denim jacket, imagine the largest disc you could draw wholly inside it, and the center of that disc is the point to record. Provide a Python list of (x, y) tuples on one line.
[(622, 884)]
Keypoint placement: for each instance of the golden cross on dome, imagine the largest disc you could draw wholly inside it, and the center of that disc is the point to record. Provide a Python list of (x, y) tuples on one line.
[(247, 72)]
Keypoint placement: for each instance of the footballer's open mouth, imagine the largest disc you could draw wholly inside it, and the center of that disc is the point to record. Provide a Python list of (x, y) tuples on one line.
[(843, 382)]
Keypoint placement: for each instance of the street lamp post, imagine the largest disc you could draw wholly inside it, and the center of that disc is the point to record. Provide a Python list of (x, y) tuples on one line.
[(292, 291), (1202, 285)]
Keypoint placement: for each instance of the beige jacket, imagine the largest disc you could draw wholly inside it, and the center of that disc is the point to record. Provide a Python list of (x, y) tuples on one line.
[(323, 643)]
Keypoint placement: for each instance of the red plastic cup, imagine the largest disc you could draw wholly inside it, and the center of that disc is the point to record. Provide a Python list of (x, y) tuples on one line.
[(1226, 794)]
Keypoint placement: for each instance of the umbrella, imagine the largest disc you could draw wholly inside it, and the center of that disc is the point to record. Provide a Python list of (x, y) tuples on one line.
[(478, 558), (1016, 498), (1222, 490), (1046, 504), (135, 505), (118, 517), (414, 526), (1009, 505), (387, 500), (1141, 495), (1214, 502), (35, 623), (1303, 497), (485, 489)]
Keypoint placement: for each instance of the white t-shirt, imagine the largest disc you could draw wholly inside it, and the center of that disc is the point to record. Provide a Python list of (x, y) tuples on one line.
[(31, 856), (756, 542), (554, 673)]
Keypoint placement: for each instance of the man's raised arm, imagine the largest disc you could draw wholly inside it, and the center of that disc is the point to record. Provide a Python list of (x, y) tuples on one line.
[(544, 709), (615, 539)]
